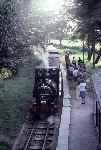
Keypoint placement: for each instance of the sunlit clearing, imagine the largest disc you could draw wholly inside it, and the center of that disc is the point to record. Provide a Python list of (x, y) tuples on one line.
[(53, 5)]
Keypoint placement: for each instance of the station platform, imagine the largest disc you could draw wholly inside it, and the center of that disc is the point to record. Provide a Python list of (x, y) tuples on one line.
[(83, 133), (65, 117), (77, 129)]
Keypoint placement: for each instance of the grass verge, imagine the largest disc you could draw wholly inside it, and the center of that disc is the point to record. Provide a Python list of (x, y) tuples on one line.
[(14, 94)]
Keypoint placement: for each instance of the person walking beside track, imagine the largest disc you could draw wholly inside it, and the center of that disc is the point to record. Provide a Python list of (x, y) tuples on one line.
[(82, 89)]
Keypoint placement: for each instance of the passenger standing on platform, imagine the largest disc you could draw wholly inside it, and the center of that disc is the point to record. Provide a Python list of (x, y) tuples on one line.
[(67, 59), (84, 67), (75, 74), (82, 89), (79, 61), (74, 61), (79, 80), (71, 69)]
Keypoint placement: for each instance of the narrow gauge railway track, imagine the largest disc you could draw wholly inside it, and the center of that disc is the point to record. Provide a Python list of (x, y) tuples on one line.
[(40, 136)]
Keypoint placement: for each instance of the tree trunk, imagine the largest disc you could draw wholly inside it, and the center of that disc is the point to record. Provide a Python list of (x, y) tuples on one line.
[(83, 51), (60, 43), (89, 40), (98, 57), (93, 48), (48, 41)]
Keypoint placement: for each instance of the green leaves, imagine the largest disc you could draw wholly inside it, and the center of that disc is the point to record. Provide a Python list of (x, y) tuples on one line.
[(5, 73)]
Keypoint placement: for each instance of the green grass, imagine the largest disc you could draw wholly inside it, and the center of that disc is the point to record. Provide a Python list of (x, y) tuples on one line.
[(69, 43), (72, 46), (75, 48), (89, 64), (14, 95)]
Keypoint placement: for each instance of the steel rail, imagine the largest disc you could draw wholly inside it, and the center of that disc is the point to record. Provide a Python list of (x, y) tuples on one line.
[(45, 139), (31, 136), (29, 139)]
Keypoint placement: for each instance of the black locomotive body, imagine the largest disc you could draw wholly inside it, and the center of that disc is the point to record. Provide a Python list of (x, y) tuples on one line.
[(48, 89), (47, 92)]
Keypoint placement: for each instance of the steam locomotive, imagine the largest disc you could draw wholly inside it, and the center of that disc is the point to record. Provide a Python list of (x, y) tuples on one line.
[(48, 88)]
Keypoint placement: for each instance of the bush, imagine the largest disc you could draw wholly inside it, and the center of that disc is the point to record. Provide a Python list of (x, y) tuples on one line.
[(5, 73), (4, 146)]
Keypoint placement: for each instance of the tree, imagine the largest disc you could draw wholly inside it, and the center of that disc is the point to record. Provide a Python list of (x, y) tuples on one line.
[(87, 15), (57, 30), (21, 26)]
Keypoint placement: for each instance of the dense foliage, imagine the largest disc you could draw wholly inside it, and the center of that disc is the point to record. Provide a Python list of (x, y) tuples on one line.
[(5, 73), (19, 30), (87, 15)]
